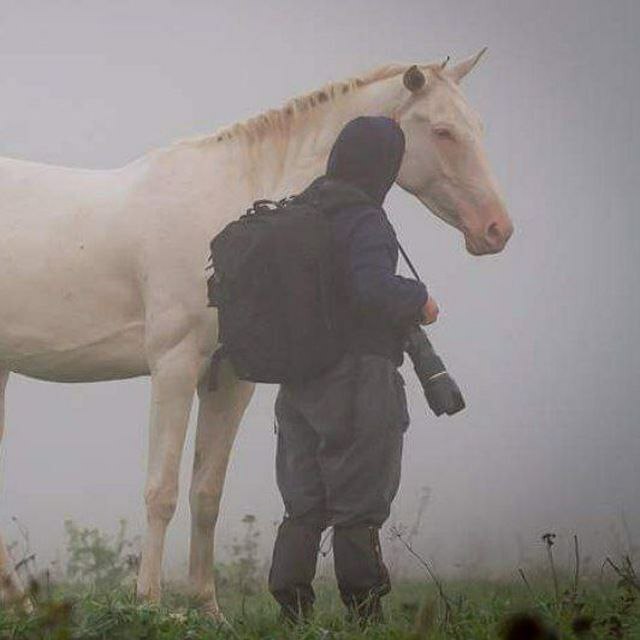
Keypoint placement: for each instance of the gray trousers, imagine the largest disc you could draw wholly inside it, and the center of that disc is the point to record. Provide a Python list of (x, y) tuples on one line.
[(340, 443)]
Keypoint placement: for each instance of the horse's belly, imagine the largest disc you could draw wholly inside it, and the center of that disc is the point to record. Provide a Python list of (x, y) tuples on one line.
[(117, 354), (70, 305), (84, 326)]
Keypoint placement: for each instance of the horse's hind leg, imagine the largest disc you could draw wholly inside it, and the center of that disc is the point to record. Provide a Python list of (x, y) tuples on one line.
[(9, 584), (218, 419)]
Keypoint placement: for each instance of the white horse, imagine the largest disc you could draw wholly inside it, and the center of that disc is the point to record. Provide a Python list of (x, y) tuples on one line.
[(103, 271)]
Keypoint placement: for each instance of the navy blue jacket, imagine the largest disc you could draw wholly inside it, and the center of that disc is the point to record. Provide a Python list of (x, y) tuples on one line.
[(379, 306)]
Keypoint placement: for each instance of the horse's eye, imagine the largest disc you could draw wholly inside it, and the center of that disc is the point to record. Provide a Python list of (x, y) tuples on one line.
[(443, 133)]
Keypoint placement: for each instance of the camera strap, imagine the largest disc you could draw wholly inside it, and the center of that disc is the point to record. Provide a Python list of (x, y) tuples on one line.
[(406, 259)]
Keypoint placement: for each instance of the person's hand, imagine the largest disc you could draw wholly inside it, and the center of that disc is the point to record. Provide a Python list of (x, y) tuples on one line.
[(429, 311)]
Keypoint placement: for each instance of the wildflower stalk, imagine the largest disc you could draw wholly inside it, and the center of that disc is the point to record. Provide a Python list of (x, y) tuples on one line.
[(576, 576), (448, 619), (548, 539)]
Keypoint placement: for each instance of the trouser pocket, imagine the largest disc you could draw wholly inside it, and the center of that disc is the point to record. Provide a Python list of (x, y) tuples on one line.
[(381, 398)]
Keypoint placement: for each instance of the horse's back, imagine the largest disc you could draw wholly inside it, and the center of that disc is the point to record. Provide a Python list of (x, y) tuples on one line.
[(68, 284)]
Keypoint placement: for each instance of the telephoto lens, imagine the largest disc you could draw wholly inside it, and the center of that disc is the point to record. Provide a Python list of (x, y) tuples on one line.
[(440, 389)]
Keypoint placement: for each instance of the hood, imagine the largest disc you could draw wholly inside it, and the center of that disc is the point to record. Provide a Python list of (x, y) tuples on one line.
[(367, 154), (332, 194)]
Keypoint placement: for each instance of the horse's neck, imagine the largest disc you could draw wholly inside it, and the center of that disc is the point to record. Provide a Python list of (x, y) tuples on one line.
[(216, 180), (278, 165)]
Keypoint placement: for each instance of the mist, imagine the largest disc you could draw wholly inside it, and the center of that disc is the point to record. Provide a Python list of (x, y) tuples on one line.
[(543, 338)]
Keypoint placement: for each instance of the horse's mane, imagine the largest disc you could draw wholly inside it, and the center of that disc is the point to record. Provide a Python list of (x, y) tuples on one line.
[(279, 119)]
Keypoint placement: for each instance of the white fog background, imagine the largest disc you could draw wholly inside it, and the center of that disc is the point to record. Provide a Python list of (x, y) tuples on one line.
[(544, 339)]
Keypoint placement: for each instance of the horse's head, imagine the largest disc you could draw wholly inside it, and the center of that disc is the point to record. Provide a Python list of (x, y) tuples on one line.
[(445, 164)]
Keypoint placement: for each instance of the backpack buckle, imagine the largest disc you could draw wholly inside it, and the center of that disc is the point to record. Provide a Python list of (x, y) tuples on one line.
[(262, 206)]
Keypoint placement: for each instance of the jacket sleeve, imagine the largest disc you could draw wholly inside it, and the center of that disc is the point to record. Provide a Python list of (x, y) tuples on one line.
[(372, 260)]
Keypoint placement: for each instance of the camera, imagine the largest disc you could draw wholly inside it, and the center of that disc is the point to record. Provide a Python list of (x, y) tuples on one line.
[(442, 393)]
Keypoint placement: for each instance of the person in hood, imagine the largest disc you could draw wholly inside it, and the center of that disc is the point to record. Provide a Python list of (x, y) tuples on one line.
[(340, 435)]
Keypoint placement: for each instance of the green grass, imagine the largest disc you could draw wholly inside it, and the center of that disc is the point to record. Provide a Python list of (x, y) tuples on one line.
[(413, 610), (95, 601)]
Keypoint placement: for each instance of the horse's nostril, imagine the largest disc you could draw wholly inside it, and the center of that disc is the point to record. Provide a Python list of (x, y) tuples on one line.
[(493, 233), (497, 234)]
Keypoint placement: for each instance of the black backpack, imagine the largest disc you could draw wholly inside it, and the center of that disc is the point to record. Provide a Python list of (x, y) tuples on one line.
[(274, 285)]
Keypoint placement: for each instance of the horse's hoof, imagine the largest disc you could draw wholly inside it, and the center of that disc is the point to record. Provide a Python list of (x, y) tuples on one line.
[(27, 606), (21, 603), (212, 610)]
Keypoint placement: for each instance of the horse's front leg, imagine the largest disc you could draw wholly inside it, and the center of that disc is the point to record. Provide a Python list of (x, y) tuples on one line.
[(174, 376), (10, 588), (219, 415)]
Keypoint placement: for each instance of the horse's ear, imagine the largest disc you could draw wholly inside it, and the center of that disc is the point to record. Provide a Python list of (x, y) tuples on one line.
[(462, 68), (413, 79)]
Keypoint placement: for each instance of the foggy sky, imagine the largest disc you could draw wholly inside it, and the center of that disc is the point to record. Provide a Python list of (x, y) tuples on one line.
[(543, 339)]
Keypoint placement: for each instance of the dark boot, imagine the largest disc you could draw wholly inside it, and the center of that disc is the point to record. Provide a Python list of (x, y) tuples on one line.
[(295, 555), (362, 575)]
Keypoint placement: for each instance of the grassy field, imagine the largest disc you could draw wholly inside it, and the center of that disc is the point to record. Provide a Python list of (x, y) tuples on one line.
[(414, 610), (93, 600)]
